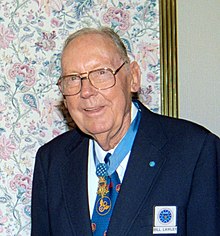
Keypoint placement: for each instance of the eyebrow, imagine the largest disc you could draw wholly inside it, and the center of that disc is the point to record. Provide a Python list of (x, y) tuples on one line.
[(80, 73)]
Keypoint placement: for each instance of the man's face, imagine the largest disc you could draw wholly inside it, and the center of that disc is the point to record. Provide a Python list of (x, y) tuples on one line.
[(100, 113)]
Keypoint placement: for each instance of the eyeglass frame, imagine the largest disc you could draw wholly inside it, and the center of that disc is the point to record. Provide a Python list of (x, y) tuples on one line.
[(114, 72)]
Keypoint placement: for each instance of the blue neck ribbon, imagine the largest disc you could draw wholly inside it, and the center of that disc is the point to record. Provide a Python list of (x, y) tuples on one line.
[(123, 148)]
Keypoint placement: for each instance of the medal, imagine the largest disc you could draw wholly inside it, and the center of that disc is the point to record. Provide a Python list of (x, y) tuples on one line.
[(102, 187), (103, 205), (101, 172)]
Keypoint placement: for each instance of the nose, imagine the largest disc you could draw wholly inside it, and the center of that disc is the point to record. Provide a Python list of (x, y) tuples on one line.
[(87, 89)]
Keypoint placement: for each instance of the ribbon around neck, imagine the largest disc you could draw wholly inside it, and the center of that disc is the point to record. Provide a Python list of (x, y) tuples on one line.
[(123, 147)]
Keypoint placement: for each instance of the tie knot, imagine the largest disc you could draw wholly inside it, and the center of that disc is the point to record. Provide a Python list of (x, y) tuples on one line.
[(107, 158)]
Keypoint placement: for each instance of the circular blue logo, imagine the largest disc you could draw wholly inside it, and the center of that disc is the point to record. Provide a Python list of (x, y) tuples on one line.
[(103, 206), (165, 216)]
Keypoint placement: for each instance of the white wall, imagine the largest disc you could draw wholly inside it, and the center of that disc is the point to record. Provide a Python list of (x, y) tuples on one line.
[(199, 62)]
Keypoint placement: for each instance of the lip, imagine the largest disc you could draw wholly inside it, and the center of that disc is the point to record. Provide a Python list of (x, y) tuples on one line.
[(91, 111)]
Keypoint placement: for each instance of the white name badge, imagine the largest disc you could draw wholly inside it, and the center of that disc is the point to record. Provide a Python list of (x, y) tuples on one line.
[(165, 220)]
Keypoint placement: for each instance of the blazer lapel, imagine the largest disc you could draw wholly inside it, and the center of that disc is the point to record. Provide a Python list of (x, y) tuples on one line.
[(74, 181), (144, 166)]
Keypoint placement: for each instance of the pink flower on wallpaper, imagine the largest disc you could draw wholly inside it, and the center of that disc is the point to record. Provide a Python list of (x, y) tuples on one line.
[(22, 184), (56, 132), (50, 5), (55, 22), (145, 94), (151, 77), (6, 36), (3, 219), (150, 53), (47, 42), (118, 17), (6, 148), (24, 72), (30, 15)]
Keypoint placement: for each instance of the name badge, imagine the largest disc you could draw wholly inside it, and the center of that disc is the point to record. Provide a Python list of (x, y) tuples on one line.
[(165, 220)]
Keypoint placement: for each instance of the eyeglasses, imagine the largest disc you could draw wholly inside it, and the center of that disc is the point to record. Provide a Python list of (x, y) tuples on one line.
[(101, 79)]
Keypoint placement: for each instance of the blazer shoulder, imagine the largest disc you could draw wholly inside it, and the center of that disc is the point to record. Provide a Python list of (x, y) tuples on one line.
[(173, 129), (167, 122), (63, 144), (69, 138)]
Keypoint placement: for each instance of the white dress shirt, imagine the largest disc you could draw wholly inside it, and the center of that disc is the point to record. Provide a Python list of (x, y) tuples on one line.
[(100, 153)]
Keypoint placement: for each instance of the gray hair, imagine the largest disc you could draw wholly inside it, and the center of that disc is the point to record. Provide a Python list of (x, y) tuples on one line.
[(105, 32)]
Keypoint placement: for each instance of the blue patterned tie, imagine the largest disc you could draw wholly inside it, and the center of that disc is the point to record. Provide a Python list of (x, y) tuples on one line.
[(107, 193)]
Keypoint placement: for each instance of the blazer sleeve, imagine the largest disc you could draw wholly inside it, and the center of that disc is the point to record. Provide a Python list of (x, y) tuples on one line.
[(39, 209), (203, 217)]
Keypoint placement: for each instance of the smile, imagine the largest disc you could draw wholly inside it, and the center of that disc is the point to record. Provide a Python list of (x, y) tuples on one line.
[(94, 110)]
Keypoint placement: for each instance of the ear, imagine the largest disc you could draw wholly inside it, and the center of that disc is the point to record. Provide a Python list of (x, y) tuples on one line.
[(135, 76)]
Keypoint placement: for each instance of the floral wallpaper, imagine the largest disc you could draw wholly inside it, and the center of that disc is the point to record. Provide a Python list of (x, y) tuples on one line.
[(32, 33)]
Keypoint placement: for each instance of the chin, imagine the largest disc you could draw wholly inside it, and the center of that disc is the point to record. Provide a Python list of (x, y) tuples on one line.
[(94, 130)]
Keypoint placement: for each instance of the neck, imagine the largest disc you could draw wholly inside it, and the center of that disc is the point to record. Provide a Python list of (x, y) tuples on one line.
[(109, 140)]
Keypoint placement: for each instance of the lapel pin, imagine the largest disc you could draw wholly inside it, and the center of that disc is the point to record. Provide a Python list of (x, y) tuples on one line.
[(152, 163)]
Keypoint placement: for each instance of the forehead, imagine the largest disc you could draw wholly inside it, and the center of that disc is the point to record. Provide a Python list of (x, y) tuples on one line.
[(91, 45)]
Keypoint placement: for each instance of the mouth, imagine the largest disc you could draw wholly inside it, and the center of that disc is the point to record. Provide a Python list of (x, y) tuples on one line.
[(94, 110)]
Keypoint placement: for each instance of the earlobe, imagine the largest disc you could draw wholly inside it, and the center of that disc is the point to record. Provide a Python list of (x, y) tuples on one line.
[(136, 77)]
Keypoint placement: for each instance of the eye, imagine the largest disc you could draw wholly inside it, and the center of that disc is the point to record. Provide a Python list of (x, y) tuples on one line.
[(73, 77), (98, 74), (102, 72), (71, 80)]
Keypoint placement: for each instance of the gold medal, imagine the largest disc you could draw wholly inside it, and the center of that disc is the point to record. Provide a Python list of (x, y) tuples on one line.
[(102, 187)]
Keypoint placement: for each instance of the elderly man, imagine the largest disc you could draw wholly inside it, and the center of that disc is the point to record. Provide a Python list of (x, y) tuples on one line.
[(123, 170)]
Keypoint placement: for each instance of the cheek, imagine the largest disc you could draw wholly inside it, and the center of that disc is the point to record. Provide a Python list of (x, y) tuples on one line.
[(71, 106), (120, 106), (68, 103)]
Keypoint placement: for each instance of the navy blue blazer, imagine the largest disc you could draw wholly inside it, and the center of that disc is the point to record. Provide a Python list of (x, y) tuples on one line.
[(172, 163)]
